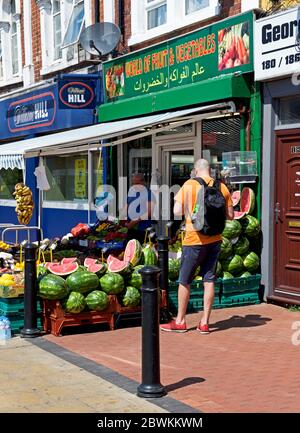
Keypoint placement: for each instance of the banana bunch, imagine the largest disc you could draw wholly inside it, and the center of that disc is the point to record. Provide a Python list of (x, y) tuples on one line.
[(4, 246), (25, 205)]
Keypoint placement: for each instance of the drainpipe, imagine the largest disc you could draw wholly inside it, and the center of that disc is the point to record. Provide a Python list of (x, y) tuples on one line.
[(121, 17), (97, 11)]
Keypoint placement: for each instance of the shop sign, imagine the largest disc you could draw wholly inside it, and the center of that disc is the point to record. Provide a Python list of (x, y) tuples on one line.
[(76, 94), (32, 112), (218, 49), (277, 45), (80, 178)]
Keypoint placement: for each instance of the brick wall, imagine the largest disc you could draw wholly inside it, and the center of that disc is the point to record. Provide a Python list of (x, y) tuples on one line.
[(36, 40)]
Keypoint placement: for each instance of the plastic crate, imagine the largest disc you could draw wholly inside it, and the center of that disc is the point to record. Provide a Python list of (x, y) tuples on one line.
[(240, 291), (17, 323), (196, 296), (14, 305)]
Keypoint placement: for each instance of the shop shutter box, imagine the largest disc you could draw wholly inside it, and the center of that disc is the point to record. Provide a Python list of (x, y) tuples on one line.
[(240, 291), (196, 296)]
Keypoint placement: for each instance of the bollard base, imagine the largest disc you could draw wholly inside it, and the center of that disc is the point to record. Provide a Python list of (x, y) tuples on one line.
[(165, 316), (30, 332), (151, 391)]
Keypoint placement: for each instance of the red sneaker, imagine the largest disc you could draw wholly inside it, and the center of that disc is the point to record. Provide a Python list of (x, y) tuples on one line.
[(204, 329), (173, 327)]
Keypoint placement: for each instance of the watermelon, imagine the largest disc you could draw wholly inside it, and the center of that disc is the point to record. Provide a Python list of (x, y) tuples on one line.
[(68, 260), (75, 303), (226, 248), (227, 275), (62, 269), (135, 280), (235, 196), (239, 215), (245, 275), (149, 255), (233, 264), (82, 281), (89, 261), (174, 268), (219, 269), (53, 287), (251, 262), (250, 226), (242, 246), (42, 270), (232, 229), (97, 300), (247, 202), (112, 283), (133, 252), (131, 297), (121, 267), (98, 268)]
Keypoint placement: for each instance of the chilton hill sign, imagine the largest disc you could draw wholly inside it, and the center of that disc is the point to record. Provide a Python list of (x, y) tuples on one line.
[(277, 45), (218, 49)]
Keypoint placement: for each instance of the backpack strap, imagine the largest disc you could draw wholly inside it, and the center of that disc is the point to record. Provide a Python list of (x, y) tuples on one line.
[(201, 181)]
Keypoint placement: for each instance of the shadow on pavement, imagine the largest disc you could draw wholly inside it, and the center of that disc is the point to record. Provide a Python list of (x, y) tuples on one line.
[(184, 382), (247, 321)]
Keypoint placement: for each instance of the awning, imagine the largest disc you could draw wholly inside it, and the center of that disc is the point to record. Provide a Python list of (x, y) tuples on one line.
[(91, 137)]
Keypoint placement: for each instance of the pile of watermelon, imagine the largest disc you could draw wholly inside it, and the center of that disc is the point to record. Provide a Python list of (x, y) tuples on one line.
[(88, 287), (241, 240)]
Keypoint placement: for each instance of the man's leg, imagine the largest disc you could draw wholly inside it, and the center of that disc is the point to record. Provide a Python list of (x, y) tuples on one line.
[(209, 294), (183, 300)]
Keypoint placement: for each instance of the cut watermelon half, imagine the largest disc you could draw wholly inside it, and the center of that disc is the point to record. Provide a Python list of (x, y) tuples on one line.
[(62, 269), (236, 196), (110, 258), (239, 215), (68, 260), (118, 266), (97, 268), (247, 202)]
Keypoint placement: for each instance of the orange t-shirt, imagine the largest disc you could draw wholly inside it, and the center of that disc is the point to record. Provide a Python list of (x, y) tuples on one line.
[(187, 196)]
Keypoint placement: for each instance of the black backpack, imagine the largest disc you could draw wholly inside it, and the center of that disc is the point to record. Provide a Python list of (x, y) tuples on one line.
[(214, 208)]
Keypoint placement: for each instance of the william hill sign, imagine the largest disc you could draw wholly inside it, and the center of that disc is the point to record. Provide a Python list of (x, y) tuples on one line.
[(77, 94)]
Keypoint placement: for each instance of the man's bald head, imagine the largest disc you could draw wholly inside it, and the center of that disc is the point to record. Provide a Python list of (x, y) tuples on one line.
[(138, 179), (202, 168)]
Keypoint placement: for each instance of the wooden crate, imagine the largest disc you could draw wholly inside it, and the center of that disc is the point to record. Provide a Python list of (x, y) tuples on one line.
[(55, 318)]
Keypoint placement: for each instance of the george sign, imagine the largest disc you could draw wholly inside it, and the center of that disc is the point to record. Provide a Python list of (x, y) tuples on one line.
[(218, 49), (277, 45), (77, 94), (294, 223), (80, 178), (68, 103), (295, 149)]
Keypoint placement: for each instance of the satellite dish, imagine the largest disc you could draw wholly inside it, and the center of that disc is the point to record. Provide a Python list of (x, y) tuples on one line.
[(100, 38)]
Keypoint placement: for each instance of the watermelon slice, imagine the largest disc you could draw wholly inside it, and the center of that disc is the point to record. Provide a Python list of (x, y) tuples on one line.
[(98, 268), (89, 261), (239, 215), (62, 269), (236, 196), (68, 260), (133, 252), (119, 266), (110, 258), (247, 202)]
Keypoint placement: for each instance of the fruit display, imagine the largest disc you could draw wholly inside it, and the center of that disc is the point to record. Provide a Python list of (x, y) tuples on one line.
[(234, 46), (25, 205)]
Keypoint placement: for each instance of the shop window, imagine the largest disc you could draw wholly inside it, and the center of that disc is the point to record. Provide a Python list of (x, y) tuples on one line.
[(195, 5), (156, 13), (75, 24), (289, 112), (138, 158), (183, 129), (56, 12), (8, 179), (104, 168), (1, 57), (14, 49), (68, 178), (218, 136)]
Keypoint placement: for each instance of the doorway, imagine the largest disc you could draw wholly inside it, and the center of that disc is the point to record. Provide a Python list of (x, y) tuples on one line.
[(287, 216), (177, 165)]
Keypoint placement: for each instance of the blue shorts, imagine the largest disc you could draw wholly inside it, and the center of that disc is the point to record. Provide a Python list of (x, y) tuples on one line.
[(205, 256)]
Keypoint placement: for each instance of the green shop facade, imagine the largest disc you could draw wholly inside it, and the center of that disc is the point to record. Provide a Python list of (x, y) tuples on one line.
[(191, 96)]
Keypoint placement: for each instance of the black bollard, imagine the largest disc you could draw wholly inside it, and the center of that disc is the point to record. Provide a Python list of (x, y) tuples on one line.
[(30, 329), (163, 264), (150, 386)]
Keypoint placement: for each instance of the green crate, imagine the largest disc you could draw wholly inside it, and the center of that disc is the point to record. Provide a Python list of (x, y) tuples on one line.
[(241, 285), (238, 299), (196, 296), (17, 325), (14, 306)]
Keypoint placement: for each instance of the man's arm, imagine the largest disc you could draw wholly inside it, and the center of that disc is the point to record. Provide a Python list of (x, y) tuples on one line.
[(178, 209)]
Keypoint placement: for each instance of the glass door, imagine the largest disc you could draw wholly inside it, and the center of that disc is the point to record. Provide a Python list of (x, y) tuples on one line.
[(177, 166)]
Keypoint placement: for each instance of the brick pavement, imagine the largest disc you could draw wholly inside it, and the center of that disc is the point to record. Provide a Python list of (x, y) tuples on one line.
[(247, 364)]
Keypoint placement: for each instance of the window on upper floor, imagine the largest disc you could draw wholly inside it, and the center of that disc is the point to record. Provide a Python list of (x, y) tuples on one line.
[(61, 26), (10, 43), (153, 18)]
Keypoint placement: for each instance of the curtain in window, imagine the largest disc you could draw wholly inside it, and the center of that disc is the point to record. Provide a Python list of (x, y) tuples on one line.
[(195, 5), (157, 16)]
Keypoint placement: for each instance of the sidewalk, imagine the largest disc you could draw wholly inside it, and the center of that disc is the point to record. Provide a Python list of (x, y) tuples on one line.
[(249, 363), (35, 381)]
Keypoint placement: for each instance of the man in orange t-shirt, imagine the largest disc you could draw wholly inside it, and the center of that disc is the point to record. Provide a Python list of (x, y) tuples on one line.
[(198, 250)]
